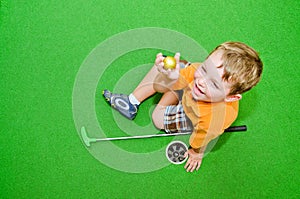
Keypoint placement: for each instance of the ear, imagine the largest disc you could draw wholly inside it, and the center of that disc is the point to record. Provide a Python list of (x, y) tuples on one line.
[(233, 98)]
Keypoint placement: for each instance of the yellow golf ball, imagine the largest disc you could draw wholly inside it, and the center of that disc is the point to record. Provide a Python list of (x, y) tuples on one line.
[(169, 62)]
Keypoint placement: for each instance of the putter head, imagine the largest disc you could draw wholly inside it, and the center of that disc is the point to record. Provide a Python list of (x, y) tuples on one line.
[(84, 136)]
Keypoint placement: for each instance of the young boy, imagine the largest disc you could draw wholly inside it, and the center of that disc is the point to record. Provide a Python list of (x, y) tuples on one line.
[(201, 97)]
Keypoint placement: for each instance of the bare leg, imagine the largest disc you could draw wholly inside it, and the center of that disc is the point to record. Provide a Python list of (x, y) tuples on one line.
[(169, 98), (145, 88), (128, 105)]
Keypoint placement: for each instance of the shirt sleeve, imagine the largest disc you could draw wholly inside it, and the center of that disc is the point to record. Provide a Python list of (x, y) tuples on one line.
[(212, 125), (201, 137)]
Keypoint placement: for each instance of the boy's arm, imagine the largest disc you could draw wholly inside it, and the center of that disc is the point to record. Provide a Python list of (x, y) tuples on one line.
[(163, 84), (198, 142), (166, 78)]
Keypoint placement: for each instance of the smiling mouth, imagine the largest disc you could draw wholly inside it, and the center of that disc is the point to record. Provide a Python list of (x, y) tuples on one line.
[(197, 90)]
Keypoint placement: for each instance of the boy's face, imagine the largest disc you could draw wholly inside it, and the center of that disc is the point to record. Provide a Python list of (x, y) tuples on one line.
[(208, 84)]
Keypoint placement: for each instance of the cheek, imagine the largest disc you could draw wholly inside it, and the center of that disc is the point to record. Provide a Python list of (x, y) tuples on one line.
[(216, 94), (197, 74)]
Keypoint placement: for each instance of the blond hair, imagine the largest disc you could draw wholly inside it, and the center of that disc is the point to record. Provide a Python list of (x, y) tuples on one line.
[(242, 66)]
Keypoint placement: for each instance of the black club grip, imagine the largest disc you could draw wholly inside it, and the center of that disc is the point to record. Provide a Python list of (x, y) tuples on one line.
[(236, 128)]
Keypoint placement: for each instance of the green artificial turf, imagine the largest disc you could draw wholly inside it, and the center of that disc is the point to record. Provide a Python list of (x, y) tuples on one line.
[(43, 45)]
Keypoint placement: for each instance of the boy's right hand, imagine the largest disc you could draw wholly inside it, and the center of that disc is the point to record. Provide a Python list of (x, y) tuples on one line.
[(172, 74)]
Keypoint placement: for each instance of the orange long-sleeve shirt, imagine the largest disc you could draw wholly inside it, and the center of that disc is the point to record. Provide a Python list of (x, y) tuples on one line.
[(209, 119)]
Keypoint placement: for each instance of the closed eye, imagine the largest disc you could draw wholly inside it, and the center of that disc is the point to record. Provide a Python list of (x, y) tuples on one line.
[(203, 69), (215, 85)]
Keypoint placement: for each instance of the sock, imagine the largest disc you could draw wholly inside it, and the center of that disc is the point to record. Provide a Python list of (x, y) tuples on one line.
[(133, 100)]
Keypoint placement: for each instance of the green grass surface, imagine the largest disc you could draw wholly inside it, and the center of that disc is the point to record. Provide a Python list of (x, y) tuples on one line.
[(44, 43)]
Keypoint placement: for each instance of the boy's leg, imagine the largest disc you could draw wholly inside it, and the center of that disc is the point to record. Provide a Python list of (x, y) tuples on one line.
[(128, 105), (168, 98), (145, 88)]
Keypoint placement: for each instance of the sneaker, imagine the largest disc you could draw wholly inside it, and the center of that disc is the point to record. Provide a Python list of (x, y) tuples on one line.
[(121, 103)]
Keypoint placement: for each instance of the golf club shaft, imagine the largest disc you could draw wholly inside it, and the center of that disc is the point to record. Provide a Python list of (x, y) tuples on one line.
[(230, 129), (141, 136)]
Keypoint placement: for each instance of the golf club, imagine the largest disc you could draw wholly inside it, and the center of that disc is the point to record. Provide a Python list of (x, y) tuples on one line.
[(87, 140)]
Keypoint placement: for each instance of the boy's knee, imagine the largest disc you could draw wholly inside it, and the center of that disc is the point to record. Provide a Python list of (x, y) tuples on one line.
[(158, 117)]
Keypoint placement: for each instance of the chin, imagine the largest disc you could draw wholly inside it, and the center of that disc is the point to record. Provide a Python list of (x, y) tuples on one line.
[(199, 98)]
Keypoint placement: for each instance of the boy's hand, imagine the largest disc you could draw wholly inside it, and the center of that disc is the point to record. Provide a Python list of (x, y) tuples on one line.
[(172, 74), (194, 161)]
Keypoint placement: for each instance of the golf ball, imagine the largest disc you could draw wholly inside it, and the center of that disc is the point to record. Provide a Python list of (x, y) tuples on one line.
[(169, 62)]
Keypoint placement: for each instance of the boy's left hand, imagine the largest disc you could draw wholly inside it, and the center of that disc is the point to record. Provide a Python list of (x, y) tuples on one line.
[(194, 161)]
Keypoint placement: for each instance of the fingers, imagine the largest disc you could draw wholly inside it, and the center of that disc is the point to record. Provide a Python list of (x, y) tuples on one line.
[(190, 167), (193, 163), (177, 58), (170, 73), (159, 59), (198, 167), (187, 164), (185, 154), (160, 64)]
